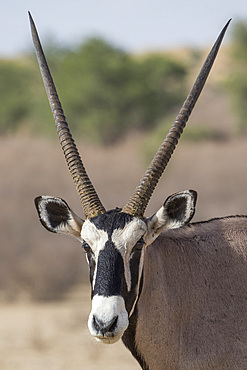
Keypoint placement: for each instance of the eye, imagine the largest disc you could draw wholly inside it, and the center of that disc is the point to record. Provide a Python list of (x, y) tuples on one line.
[(139, 245), (86, 247)]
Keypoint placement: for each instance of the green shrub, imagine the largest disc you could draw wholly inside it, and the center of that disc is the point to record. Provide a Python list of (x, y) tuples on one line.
[(15, 95), (105, 92), (191, 134)]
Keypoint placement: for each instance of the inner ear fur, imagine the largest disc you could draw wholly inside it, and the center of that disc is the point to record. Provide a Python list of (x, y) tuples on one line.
[(57, 217), (177, 211), (179, 208)]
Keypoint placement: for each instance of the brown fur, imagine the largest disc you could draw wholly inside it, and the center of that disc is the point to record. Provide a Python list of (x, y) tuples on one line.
[(192, 311)]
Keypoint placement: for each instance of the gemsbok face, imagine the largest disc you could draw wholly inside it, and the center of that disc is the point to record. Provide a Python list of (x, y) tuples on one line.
[(116, 241)]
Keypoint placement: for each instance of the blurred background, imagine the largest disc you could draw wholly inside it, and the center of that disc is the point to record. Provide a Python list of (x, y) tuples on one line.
[(122, 71)]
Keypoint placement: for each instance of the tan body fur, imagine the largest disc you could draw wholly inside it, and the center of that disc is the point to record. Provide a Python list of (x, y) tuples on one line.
[(193, 305)]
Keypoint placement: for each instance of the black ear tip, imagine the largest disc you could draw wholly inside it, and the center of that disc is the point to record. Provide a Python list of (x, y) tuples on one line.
[(194, 194), (37, 201)]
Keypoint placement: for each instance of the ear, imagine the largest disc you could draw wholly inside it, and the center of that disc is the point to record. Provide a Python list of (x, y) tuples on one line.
[(177, 211), (56, 216)]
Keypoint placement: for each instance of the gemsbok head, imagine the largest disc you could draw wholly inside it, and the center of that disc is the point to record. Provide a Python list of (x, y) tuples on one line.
[(176, 293)]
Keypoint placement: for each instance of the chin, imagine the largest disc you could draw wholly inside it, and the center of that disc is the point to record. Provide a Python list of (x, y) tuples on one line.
[(108, 340)]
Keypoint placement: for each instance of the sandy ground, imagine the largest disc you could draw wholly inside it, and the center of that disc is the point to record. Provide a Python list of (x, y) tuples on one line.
[(54, 336)]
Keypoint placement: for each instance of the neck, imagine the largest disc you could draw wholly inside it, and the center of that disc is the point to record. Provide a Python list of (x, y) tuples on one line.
[(146, 319), (128, 337)]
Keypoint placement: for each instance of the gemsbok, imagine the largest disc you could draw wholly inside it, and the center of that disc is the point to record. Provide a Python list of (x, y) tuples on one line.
[(176, 293)]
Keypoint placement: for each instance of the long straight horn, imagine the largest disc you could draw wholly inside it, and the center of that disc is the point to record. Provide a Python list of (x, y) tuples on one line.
[(89, 199), (139, 200)]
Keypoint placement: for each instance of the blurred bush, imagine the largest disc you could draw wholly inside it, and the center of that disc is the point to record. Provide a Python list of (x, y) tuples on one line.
[(237, 79), (191, 133), (39, 272), (15, 94), (105, 91)]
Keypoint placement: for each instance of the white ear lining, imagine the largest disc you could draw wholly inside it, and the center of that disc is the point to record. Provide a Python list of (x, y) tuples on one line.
[(56, 216), (173, 214), (180, 208)]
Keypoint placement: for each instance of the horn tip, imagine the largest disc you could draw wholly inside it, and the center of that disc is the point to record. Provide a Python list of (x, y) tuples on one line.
[(30, 16), (227, 23), (32, 24), (222, 34)]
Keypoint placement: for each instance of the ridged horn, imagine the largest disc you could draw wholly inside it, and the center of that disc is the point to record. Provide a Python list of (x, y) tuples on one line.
[(139, 200), (89, 199)]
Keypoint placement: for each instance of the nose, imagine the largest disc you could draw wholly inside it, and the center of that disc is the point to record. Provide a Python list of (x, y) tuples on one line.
[(105, 327)]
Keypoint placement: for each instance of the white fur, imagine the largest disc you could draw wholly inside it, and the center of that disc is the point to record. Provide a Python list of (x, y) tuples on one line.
[(125, 239), (105, 309), (161, 220), (73, 223), (138, 284), (96, 239)]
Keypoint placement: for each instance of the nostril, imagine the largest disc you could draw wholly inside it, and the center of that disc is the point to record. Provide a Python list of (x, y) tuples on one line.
[(97, 323), (113, 324), (105, 327)]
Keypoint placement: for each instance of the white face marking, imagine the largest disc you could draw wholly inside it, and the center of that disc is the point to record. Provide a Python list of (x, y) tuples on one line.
[(125, 239), (138, 284), (96, 239), (105, 309)]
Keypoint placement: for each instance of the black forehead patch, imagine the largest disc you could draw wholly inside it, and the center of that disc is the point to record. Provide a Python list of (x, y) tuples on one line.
[(111, 220)]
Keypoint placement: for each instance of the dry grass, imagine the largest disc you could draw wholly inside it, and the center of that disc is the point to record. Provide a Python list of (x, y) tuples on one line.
[(54, 336), (45, 265)]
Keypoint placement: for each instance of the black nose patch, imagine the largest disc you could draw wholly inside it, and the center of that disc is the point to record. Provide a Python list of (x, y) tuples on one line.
[(110, 272)]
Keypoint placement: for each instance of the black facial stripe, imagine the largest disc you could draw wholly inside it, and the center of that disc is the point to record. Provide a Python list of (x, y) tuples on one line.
[(110, 272)]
